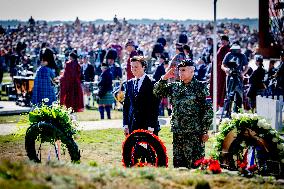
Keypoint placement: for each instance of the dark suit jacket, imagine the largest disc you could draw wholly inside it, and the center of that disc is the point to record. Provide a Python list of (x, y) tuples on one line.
[(101, 53), (141, 112), (105, 83), (89, 73), (160, 71)]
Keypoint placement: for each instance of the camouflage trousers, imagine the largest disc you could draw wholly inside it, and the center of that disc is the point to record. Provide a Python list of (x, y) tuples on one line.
[(187, 148)]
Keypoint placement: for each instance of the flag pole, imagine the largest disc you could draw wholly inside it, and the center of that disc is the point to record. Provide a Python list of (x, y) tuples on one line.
[(215, 70)]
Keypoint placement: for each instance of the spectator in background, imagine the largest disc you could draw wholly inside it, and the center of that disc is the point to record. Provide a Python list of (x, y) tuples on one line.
[(130, 48), (221, 75), (2, 64), (163, 42), (178, 58), (99, 58), (235, 66), (158, 49), (14, 61), (114, 67), (105, 97), (160, 71), (208, 50), (200, 69), (256, 82), (187, 52), (163, 64), (44, 80), (118, 49), (87, 76), (270, 87), (279, 75), (87, 69), (71, 94)]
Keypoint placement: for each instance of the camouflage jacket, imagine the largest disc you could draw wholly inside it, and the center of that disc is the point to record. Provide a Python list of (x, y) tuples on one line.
[(191, 112)]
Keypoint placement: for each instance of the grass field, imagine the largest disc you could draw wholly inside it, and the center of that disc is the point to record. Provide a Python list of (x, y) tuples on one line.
[(101, 167)]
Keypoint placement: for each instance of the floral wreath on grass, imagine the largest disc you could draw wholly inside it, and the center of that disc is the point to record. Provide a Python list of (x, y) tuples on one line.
[(151, 145), (49, 124), (245, 131)]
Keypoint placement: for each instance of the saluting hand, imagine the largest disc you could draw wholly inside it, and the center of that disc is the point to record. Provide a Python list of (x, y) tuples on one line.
[(169, 74)]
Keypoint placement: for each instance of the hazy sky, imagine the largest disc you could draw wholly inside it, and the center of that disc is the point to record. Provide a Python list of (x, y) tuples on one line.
[(106, 9)]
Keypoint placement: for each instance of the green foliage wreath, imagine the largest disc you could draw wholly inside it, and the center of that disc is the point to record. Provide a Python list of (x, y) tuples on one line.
[(242, 126), (49, 124)]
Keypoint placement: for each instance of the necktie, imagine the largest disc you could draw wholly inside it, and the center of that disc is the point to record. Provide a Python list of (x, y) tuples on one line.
[(136, 88)]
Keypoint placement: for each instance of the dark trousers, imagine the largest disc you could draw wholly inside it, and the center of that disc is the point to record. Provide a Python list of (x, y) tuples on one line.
[(187, 148)]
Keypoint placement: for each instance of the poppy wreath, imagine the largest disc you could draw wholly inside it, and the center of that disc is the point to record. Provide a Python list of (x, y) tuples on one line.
[(142, 147), (249, 131), (49, 124)]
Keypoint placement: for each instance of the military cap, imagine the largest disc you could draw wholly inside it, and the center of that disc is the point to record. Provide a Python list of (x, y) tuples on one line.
[(184, 63)]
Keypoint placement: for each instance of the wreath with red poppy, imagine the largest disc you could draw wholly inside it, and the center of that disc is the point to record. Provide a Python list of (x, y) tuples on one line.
[(142, 147)]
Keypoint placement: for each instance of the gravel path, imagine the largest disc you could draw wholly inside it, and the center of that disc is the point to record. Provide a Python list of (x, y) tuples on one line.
[(6, 129)]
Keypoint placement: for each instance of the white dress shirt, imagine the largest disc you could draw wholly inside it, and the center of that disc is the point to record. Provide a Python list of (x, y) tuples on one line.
[(141, 79)]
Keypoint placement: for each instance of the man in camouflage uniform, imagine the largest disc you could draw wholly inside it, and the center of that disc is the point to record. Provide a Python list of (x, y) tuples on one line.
[(192, 114)]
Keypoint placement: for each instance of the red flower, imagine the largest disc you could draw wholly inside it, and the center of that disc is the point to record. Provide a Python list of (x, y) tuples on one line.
[(143, 164), (205, 161), (215, 168), (209, 164), (198, 162)]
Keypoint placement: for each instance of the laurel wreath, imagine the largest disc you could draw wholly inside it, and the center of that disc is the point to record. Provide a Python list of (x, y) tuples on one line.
[(156, 149), (49, 124), (248, 129)]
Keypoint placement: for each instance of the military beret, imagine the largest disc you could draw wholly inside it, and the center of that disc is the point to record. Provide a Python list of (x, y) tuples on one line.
[(184, 63)]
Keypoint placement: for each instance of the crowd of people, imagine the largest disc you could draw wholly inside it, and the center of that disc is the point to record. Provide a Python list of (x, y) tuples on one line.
[(163, 45), (163, 66)]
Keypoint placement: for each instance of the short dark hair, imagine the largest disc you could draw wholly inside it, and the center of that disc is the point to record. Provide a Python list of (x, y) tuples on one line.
[(224, 37), (73, 55), (140, 59), (186, 47)]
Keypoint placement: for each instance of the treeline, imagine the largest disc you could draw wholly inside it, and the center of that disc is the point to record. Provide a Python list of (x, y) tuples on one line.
[(251, 22)]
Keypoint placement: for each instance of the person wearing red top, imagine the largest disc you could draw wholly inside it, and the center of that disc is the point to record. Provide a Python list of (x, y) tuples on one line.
[(71, 94), (130, 48), (118, 49), (221, 75)]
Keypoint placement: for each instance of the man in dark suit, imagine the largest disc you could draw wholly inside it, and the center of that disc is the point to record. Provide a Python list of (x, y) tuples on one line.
[(87, 70), (140, 108), (99, 58)]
